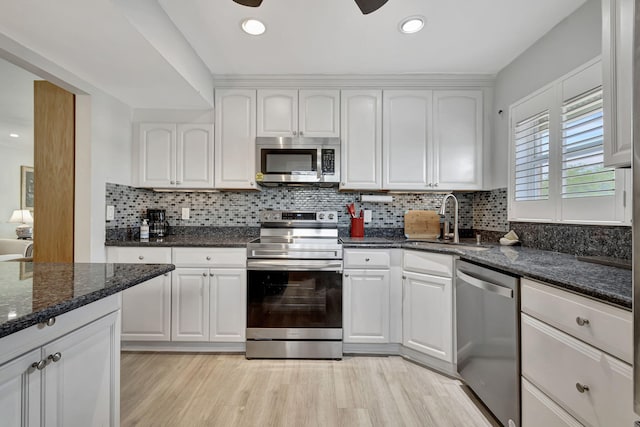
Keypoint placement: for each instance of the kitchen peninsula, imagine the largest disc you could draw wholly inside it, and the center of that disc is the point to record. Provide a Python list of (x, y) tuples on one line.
[(60, 340)]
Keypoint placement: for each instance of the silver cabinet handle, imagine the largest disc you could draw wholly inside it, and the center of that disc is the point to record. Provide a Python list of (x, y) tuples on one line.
[(582, 387), (252, 184), (211, 274), (178, 182), (166, 274), (404, 277), (435, 185), (39, 365), (172, 182), (342, 183), (367, 259), (204, 274), (582, 321), (295, 133), (301, 133), (346, 275), (485, 286), (140, 257), (50, 321), (208, 258), (55, 356)]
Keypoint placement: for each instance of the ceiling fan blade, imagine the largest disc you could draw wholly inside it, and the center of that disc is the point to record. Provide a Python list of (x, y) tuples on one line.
[(250, 3), (368, 6)]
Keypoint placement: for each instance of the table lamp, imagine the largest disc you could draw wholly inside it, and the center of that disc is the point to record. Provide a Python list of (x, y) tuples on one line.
[(22, 217)]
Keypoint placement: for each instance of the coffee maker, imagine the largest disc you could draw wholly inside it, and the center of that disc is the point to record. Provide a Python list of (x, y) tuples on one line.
[(158, 224)]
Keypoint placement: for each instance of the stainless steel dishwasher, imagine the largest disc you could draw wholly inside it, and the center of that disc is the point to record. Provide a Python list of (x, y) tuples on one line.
[(488, 338)]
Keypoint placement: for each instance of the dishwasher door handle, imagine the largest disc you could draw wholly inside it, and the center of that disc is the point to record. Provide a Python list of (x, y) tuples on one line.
[(484, 285)]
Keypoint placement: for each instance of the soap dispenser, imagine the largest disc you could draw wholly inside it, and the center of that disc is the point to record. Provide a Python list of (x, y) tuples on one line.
[(144, 230)]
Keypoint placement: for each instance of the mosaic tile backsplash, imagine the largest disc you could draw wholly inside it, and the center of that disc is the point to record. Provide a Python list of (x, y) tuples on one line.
[(242, 208), (490, 210)]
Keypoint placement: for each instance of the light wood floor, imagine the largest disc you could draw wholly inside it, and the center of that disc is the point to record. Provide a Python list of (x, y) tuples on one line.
[(172, 389)]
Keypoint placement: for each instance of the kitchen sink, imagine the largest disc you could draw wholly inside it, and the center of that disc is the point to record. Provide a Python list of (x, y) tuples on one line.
[(464, 246)]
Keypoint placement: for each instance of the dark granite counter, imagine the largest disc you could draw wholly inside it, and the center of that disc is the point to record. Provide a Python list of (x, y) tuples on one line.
[(607, 284), (221, 241), (31, 293)]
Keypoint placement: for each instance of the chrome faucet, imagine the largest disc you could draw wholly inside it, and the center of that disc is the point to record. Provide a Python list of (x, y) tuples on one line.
[(443, 208)]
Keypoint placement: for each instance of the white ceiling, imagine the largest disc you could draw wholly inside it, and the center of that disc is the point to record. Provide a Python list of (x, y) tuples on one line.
[(333, 37), (98, 41)]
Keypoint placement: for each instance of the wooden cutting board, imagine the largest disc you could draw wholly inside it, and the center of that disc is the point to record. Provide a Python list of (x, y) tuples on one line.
[(421, 224)]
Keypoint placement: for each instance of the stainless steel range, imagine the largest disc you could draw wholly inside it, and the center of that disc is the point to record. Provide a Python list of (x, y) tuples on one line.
[(294, 287)]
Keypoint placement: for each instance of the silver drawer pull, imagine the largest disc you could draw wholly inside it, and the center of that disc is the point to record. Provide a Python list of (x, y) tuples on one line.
[(208, 258), (582, 387), (140, 257), (367, 259), (204, 274), (581, 321), (50, 321), (55, 356), (39, 365)]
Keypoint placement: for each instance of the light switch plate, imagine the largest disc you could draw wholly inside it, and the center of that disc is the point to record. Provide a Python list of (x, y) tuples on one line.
[(185, 213), (111, 213), (368, 214)]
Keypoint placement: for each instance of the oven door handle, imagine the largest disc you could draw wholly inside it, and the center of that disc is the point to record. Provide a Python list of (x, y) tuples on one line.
[(294, 265)]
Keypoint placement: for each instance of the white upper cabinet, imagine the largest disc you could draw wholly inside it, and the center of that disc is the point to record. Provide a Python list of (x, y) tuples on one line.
[(157, 142), (319, 113), (361, 122), (289, 112), (173, 155), (406, 124), (235, 139), (194, 163), (617, 62), (457, 139), (432, 140)]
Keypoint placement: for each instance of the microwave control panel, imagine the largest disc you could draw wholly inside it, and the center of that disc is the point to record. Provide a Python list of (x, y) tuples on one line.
[(328, 161)]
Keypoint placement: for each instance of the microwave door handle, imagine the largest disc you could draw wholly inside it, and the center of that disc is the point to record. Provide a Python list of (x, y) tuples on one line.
[(485, 286)]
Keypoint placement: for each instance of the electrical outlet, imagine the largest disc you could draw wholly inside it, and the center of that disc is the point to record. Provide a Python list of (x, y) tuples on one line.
[(111, 213), (185, 213), (368, 215)]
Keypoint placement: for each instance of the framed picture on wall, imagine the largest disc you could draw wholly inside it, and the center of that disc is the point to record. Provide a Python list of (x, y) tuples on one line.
[(26, 187)]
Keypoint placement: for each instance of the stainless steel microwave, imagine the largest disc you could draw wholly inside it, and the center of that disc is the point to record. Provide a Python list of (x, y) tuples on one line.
[(291, 160)]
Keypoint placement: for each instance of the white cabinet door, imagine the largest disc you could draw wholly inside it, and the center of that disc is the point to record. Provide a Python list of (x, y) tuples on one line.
[(366, 306), (319, 113), (157, 144), (235, 138), (228, 305), (194, 160), (428, 315), (617, 79), (406, 140), (361, 124), (457, 139), (277, 112), (82, 380), (190, 304), (146, 310), (20, 391)]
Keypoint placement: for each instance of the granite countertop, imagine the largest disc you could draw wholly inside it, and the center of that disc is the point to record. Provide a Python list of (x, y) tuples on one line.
[(221, 241), (607, 284), (31, 293)]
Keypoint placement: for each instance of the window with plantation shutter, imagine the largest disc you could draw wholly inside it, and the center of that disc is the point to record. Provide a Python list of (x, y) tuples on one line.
[(583, 171), (531, 137)]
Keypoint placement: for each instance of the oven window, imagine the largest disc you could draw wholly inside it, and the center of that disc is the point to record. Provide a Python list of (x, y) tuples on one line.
[(288, 162), (294, 299)]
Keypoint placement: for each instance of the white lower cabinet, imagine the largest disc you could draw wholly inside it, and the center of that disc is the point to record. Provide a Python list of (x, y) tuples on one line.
[(190, 304), (366, 306), (77, 382), (427, 324), (539, 410), (228, 305), (146, 310)]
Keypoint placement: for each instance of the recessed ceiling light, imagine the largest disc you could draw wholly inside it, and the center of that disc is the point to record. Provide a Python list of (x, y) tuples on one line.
[(14, 135), (412, 24), (253, 26)]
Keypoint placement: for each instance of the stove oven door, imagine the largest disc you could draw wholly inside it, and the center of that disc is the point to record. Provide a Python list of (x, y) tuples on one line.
[(301, 302)]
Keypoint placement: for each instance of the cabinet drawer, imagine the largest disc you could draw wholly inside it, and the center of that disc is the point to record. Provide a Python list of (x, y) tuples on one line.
[(210, 257), (428, 263), (559, 365), (358, 258), (138, 255), (539, 410), (608, 328)]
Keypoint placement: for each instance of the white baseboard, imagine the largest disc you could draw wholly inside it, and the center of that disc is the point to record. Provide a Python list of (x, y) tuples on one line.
[(195, 347)]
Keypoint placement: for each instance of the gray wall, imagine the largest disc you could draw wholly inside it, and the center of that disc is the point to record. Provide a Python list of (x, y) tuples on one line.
[(571, 43)]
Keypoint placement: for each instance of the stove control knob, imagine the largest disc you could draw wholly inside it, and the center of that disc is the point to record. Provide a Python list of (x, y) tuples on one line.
[(321, 216), (331, 216)]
